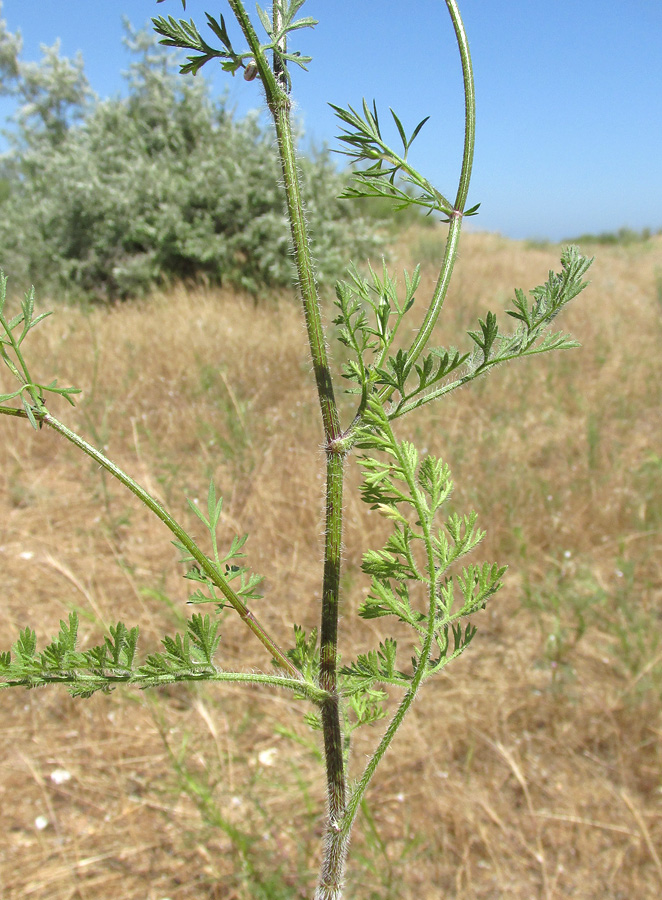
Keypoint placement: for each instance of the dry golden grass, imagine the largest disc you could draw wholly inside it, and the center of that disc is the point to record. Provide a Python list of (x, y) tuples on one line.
[(531, 769)]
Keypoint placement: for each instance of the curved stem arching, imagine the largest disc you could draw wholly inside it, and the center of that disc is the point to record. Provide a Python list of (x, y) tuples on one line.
[(450, 253)]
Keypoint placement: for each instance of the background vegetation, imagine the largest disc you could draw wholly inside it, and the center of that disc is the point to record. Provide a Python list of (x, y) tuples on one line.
[(106, 199), (540, 774)]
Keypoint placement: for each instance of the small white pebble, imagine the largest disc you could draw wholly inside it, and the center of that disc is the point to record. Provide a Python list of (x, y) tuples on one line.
[(41, 822), (267, 757), (59, 776)]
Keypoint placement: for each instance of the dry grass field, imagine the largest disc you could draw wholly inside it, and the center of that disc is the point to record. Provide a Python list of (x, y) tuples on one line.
[(531, 769)]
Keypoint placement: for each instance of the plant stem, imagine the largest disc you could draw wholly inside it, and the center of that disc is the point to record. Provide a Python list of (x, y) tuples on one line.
[(335, 852), (233, 598), (333, 864), (469, 105), (450, 253), (279, 104), (117, 677), (334, 857), (15, 345)]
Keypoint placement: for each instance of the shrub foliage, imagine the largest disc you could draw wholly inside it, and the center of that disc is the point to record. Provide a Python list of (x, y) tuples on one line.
[(106, 199)]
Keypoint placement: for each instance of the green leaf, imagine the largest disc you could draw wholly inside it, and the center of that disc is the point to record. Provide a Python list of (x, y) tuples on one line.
[(376, 666), (415, 132), (266, 21), (434, 477), (403, 136), (385, 600), (306, 22), (56, 654), (383, 565), (492, 347), (178, 650), (196, 509), (305, 654), (489, 332), (367, 707), (362, 141), (220, 30), (214, 507), (26, 645), (121, 645), (203, 634)]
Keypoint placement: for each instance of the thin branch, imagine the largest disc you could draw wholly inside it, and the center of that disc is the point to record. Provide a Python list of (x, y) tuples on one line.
[(182, 536)]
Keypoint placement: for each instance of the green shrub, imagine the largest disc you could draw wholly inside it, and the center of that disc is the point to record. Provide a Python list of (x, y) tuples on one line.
[(623, 236), (165, 184)]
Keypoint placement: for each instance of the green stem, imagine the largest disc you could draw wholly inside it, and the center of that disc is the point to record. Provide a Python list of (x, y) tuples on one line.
[(450, 254), (469, 106), (17, 350), (334, 857), (333, 864), (440, 291), (87, 679), (335, 853), (279, 105), (182, 536), (305, 272)]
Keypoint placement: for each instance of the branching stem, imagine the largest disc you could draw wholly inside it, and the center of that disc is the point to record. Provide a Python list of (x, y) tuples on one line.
[(182, 536)]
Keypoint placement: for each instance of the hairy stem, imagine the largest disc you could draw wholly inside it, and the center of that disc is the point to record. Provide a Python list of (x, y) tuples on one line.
[(279, 105), (334, 859), (110, 676), (305, 272), (335, 851)]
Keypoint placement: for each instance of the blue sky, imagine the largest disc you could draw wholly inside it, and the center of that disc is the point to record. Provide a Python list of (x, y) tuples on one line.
[(569, 133)]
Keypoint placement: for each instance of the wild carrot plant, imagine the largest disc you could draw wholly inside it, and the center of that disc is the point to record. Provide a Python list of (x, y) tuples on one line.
[(420, 575)]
